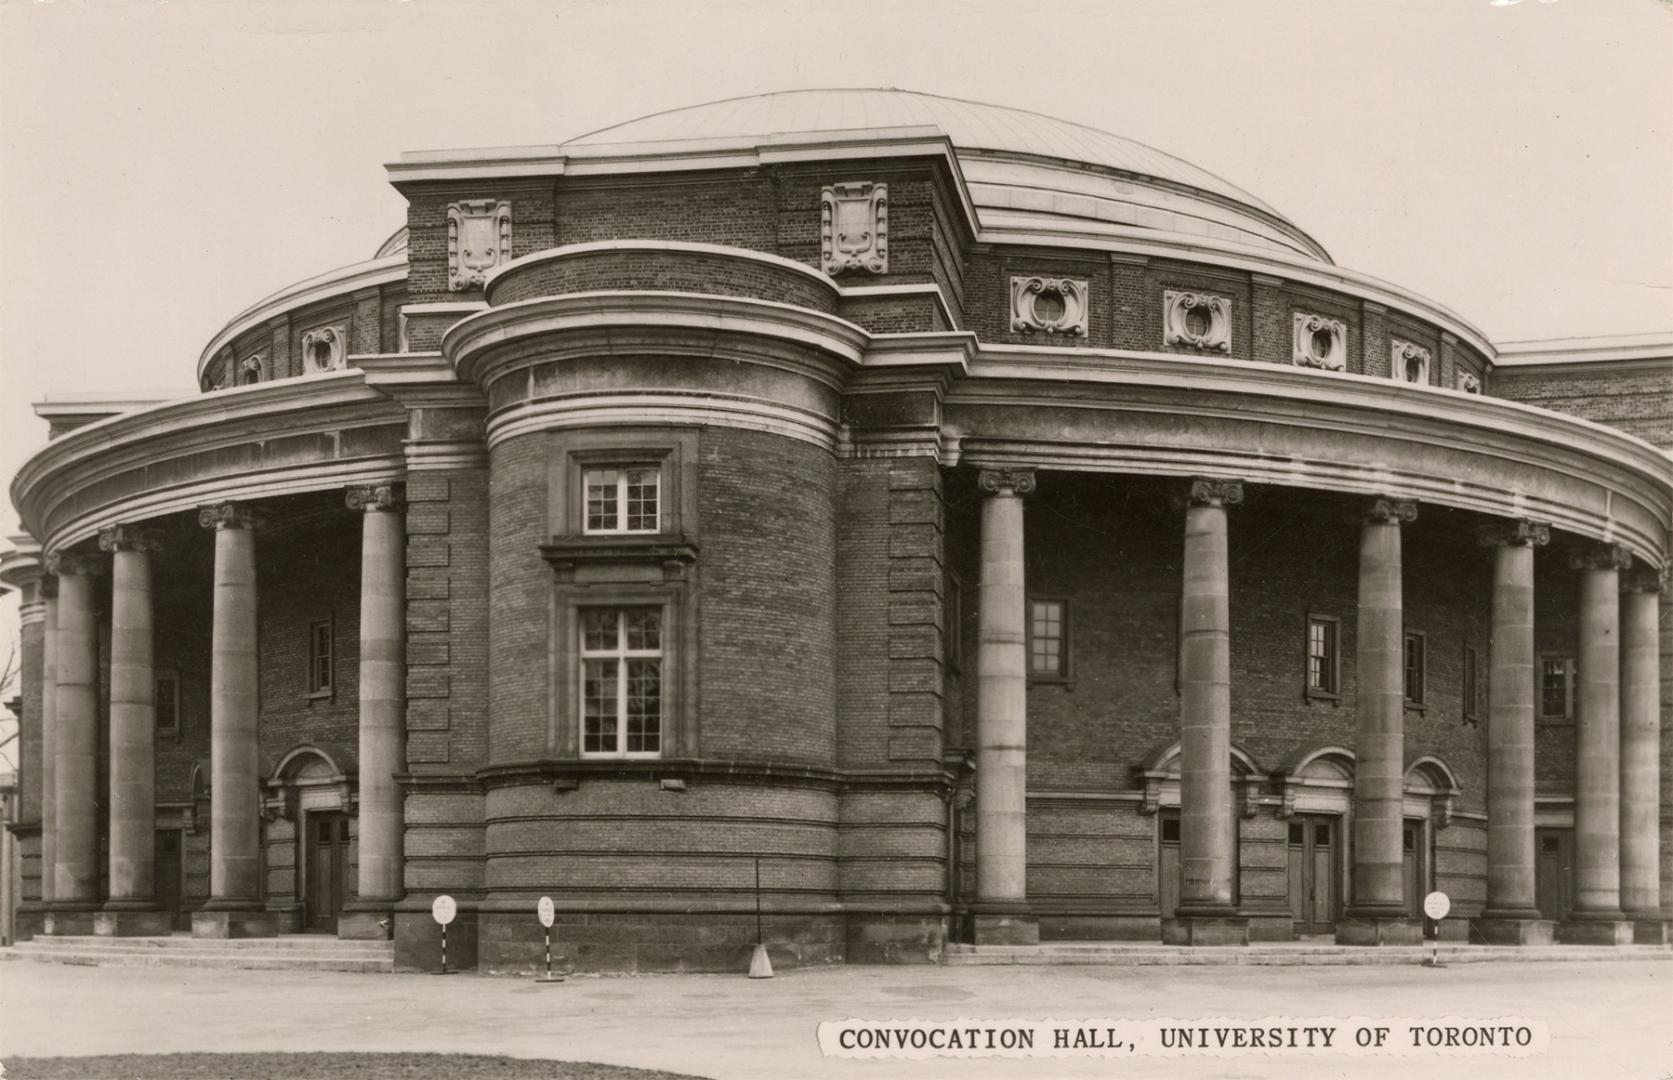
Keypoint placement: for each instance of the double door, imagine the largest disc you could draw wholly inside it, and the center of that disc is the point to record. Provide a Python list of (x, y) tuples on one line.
[(1315, 875), (325, 868)]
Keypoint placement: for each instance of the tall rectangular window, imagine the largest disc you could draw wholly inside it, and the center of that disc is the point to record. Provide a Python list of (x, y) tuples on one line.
[(1416, 662), (165, 688), (319, 657), (621, 682), (1472, 685), (1048, 638), (623, 500), (1324, 666), (1556, 687), (953, 632)]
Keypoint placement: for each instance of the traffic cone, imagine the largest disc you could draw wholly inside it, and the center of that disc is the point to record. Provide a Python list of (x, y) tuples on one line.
[(760, 967)]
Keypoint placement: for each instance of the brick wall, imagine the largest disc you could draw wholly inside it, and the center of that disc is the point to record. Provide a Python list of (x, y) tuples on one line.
[(1636, 397)]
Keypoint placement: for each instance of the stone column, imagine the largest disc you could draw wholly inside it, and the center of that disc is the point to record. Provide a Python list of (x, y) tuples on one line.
[(76, 798), (1512, 913), (1641, 758), (1206, 914), (1377, 914), (49, 737), (383, 710), (234, 908), (131, 908), (1596, 917), (1001, 911)]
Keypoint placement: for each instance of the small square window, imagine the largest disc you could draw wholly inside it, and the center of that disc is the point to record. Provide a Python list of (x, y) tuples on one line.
[(623, 500), (320, 667), (1556, 687), (1324, 664), (1416, 662), (1298, 834), (1048, 639), (165, 688), (621, 682), (1170, 830)]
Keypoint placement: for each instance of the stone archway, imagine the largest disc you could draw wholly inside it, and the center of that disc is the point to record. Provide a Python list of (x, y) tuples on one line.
[(308, 806), (1158, 773), (1316, 808)]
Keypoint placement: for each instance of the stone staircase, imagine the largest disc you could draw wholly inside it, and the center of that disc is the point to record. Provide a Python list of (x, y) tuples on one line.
[(287, 952), (1281, 954)]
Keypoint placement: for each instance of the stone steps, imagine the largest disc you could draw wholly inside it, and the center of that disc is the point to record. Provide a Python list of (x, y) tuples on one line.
[(291, 952), (1071, 954)]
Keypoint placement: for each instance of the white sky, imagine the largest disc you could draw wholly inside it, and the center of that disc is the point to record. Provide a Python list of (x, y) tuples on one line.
[(163, 165)]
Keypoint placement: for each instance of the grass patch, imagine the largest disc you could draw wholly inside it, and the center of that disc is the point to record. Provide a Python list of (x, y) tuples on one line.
[(319, 1066)]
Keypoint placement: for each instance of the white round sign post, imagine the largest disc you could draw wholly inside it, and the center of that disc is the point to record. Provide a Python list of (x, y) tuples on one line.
[(548, 915), (443, 910), (1435, 906)]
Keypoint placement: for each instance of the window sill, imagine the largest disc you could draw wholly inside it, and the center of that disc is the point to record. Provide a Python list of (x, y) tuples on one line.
[(318, 695), (1321, 695), (1052, 680), (1416, 706)]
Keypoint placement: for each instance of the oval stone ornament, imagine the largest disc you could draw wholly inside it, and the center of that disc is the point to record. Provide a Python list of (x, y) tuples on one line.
[(546, 912), (1436, 905), (442, 909)]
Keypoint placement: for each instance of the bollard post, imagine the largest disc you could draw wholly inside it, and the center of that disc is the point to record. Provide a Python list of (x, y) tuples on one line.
[(760, 965)]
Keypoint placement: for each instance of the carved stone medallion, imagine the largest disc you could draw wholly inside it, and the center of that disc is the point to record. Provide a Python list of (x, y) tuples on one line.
[(1048, 305), (1320, 342), (1409, 363), (478, 239), (1197, 320), (854, 227), (324, 348)]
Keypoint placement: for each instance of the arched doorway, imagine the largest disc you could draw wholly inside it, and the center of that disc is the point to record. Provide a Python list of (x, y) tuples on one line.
[(1431, 790), (1317, 797), (1159, 773), (309, 806)]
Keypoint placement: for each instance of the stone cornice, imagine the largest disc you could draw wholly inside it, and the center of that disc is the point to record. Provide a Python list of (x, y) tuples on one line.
[(137, 441), (616, 314), (343, 281), (22, 564), (1435, 445), (569, 251)]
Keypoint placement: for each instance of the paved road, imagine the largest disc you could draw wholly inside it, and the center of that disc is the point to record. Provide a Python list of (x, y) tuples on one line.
[(1612, 1021)]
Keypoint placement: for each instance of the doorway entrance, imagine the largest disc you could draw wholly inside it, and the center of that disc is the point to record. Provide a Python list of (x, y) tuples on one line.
[(1414, 865), (326, 869), (1315, 890), (170, 870), (1554, 872)]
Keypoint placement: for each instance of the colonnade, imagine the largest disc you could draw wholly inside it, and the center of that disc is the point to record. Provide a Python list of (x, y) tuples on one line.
[(71, 878), (1618, 736)]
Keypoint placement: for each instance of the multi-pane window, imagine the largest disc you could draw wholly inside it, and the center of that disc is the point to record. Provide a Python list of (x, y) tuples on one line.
[(319, 657), (1415, 664), (1472, 685), (1048, 638), (623, 500), (165, 687), (1323, 656), (621, 682), (1556, 687)]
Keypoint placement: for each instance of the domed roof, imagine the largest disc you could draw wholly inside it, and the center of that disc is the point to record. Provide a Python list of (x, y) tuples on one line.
[(971, 125), (992, 142)]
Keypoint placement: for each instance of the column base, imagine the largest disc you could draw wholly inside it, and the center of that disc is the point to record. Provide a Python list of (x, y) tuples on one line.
[(1649, 930), (133, 922), (372, 924), (1378, 930), (1004, 923), (29, 921), (1581, 930), (1514, 931), (1205, 929), (70, 920), (241, 923)]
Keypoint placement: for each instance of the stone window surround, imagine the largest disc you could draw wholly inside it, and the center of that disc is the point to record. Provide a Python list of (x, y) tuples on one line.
[(1026, 289), (672, 451), (621, 485), (335, 339), (1176, 333), (618, 654), (1400, 351), (1306, 325)]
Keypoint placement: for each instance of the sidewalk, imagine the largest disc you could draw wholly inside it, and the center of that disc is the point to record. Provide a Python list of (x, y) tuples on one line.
[(1606, 1019)]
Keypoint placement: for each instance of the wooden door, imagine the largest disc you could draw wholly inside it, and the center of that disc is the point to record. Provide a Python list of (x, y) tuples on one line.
[(1314, 890), (1413, 875), (1167, 866), (1554, 872), (327, 858), (170, 870)]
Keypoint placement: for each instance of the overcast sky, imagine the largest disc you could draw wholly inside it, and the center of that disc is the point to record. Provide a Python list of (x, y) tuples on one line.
[(166, 164)]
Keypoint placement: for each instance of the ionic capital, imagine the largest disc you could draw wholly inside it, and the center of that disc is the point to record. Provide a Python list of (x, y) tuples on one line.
[(1600, 557), (1644, 579), (227, 515), (1531, 533), (1207, 491), (374, 497), (1385, 510), (1017, 481), (130, 538), (60, 563)]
